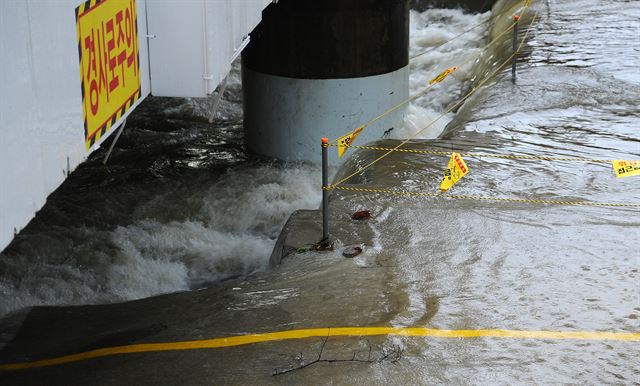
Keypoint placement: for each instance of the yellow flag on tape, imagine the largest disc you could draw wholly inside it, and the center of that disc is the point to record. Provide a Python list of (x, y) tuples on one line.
[(442, 75), (624, 168), (347, 140), (456, 169)]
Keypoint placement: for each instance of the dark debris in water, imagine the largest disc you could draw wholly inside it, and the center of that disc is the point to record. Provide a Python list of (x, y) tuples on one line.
[(361, 215), (352, 251)]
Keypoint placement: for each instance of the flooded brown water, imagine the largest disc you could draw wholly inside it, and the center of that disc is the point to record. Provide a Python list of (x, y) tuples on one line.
[(437, 263)]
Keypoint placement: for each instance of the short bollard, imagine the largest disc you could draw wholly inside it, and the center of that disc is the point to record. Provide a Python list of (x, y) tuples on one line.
[(515, 48), (325, 192)]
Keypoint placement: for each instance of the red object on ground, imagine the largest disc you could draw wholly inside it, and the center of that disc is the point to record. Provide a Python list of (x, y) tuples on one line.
[(516, 17), (352, 251), (361, 215)]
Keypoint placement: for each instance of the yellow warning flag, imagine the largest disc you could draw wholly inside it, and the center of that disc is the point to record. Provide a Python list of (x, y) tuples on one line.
[(624, 168), (347, 140), (456, 169), (442, 75)]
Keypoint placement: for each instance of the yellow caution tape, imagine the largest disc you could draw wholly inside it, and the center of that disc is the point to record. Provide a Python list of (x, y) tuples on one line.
[(240, 340), (456, 169), (451, 108), (624, 168), (479, 198), (400, 150), (346, 140), (484, 155), (443, 75)]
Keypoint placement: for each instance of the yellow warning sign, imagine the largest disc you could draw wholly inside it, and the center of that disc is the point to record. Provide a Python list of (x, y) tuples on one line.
[(347, 140), (109, 63), (456, 169), (442, 75), (626, 168)]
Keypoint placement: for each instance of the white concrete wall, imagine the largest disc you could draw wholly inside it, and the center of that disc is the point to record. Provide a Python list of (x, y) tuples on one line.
[(41, 119), (183, 31)]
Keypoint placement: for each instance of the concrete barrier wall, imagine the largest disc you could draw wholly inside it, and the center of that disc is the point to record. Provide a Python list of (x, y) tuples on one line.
[(42, 124), (41, 118), (193, 42)]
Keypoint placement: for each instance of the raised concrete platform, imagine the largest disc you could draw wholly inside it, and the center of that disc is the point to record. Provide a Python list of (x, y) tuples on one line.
[(304, 228)]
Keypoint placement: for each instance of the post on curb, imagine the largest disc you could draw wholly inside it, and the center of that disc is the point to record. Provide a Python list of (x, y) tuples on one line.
[(516, 18), (325, 192)]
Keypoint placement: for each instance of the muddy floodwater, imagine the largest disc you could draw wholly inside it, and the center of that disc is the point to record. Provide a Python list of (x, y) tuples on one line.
[(195, 218)]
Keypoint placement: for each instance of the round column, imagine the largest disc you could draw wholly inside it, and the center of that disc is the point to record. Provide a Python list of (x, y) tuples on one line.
[(320, 68)]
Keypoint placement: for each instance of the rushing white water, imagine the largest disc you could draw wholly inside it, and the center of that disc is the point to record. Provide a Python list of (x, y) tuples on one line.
[(428, 31), (241, 215), (232, 234), (177, 240)]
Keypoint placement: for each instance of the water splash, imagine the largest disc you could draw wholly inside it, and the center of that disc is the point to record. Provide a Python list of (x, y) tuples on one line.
[(196, 209)]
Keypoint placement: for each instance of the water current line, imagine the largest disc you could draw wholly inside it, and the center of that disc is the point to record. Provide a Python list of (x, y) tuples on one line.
[(421, 93), (454, 106), (483, 155), (482, 198), (446, 42), (465, 32)]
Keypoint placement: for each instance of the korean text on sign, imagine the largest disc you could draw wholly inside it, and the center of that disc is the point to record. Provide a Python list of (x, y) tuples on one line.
[(624, 168), (109, 63)]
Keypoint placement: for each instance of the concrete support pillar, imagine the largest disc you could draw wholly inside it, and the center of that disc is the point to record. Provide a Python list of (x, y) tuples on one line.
[(319, 68)]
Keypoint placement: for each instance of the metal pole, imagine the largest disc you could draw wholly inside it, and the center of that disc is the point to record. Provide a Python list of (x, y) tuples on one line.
[(113, 143), (515, 48), (325, 192), (221, 90)]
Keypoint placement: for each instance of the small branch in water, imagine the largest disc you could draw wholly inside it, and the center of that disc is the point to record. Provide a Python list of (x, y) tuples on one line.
[(392, 355)]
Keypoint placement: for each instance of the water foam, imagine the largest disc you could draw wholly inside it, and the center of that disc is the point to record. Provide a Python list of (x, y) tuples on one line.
[(233, 224), (240, 217), (428, 30), (232, 235)]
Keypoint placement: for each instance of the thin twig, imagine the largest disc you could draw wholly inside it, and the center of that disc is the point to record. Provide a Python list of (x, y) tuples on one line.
[(392, 355)]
